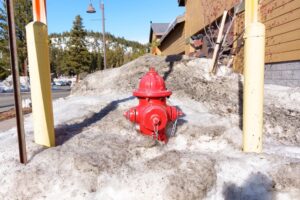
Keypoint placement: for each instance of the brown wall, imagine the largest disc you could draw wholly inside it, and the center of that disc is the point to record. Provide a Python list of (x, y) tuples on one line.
[(200, 13), (282, 21), (175, 42)]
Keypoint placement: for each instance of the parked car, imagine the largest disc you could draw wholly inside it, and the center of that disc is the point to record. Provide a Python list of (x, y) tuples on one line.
[(60, 83), (68, 83)]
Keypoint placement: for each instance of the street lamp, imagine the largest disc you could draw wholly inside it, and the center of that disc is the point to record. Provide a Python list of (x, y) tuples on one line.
[(91, 9)]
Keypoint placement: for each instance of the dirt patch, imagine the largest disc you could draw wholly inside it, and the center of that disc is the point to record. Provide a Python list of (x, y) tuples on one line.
[(285, 177), (192, 180), (12, 113)]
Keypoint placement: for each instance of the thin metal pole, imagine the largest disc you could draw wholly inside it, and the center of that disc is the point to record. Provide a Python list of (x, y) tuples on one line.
[(103, 32), (16, 81)]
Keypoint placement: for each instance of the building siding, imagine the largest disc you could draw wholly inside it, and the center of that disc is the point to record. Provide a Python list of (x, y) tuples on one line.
[(175, 42), (200, 13), (282, 21)]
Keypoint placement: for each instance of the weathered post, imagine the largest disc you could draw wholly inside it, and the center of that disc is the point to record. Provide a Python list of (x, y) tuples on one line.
[(254, 79), (39, 69)]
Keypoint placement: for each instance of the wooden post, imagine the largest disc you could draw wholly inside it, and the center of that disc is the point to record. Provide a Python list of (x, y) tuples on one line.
[(40, 79), (217, 46)]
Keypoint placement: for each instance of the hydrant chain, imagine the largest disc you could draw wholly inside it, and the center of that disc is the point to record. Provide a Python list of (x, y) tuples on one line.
[(155, 132), (174, 127)]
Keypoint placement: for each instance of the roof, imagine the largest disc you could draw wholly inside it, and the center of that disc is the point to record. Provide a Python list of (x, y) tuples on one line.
[(158, 29), (178, 20), (181, 2)]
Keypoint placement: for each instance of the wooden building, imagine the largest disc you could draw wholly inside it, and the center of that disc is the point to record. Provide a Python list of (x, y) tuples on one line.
[(157, 30), (282, 21), (173, 41), (201, 13)]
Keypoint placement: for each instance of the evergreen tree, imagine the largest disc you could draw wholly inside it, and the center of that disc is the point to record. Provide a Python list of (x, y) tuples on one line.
[(96, 62), (57, 61), (78, 57), (23, 15), (119, 52)]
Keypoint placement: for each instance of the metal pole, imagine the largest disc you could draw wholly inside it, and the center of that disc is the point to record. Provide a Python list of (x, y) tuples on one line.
[(16, 81), (103, 32)]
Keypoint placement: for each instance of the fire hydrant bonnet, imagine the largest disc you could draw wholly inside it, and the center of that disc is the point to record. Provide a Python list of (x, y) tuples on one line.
[(151, 86)]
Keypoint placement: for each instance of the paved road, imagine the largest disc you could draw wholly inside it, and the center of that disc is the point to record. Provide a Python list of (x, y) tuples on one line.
[(7, 99)]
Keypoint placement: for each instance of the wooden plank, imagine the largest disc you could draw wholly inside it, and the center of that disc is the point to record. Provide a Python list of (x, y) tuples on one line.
[(269, 14), (218, 43), (279, 39), (283, 29), (266, 2), (270, 5), (283, 19), (273, 4), (284, 47), (283, 57)]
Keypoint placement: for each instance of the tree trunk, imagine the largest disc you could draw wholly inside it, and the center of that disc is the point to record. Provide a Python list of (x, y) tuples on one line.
[(77, 78), (25, 72)]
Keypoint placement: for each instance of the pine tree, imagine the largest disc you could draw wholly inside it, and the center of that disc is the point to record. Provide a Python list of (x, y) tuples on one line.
[(23, 15), (78, 58), (119, 51), (4, 50)]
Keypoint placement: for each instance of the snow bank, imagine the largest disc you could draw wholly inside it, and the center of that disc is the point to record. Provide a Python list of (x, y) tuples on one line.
[(7, 84), (281, 96), (100, 155)]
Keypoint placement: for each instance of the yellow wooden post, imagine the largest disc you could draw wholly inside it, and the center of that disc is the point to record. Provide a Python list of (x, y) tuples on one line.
[(254, 79), (39, 69)]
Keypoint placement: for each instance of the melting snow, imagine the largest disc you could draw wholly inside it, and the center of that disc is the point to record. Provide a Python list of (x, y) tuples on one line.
[(100, 155)]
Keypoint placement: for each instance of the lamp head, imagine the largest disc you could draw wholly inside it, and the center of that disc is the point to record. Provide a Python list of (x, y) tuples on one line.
[(91, 9)]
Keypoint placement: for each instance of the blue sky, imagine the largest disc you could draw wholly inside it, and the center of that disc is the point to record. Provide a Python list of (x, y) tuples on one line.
[(126, 18)]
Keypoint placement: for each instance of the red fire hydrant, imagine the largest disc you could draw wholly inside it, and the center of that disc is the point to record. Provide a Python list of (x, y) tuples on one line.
[(152, 115)]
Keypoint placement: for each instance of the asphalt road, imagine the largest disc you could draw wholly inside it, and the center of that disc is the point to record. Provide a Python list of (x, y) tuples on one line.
[(7, 99)]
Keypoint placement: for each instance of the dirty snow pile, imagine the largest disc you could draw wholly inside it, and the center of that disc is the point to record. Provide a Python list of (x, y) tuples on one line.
[(99, 155), (7, 84)]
